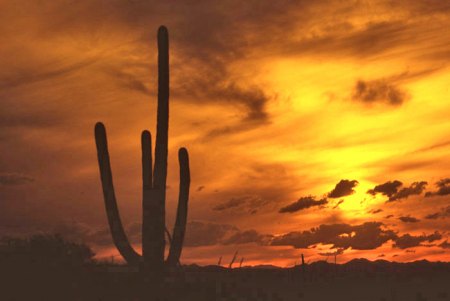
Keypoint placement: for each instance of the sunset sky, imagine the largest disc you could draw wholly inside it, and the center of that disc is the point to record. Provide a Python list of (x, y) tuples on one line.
[(313, 127)]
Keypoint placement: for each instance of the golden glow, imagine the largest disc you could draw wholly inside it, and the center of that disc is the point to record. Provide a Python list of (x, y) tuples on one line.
[(267, 111)]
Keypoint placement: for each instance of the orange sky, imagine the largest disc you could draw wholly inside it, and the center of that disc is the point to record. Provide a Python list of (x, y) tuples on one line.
[(277, 102)]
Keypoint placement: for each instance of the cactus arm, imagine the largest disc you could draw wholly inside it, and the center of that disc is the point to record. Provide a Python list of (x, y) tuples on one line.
[(118, 234), (180, 223), (148, 215), (156, 261), (168, 236)]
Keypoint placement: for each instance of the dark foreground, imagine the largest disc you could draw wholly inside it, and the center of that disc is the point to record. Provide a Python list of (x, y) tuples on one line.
[(357, 280)]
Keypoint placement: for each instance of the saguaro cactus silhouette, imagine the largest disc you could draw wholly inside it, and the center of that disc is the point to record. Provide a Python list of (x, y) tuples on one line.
[(154, 183)]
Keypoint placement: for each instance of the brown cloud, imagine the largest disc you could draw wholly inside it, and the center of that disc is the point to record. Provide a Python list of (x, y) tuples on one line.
[(303, 203), (445, 212), (443, 188), (389, 216), (408, 241), (414, 189), (41, 74), (73, 230), (343, 188), (391, 189), (233, 202), (337, 252), (200, 188), (375, 211), (206, 234), (409, 219), (378, 91), (246, 203), (387, 189), (337, 204), (444, 245), (433, 215), (249, 236), (367, 236), (15, 179)]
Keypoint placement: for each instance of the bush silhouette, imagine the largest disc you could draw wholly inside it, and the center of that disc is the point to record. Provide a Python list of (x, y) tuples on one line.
[(39, 250)]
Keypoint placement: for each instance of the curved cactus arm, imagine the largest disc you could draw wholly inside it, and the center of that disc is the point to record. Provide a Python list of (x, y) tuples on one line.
[(148, 215), (180, 223), (112, 212)]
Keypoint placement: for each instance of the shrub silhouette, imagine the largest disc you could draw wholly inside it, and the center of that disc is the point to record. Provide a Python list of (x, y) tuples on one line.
[(154, 184), (44, 250)]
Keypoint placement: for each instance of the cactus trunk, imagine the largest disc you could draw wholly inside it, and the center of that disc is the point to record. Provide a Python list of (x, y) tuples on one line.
[(155, 251)]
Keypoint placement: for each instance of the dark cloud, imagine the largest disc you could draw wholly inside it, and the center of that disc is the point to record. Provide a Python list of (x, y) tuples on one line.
[(76, 231), (375, 211), (389, 216), (246, 203), (337, 252), (15, 179), (233, 202), (337, 204), (443, 186), (200, 188), (409, 219), (43, 73), (367, 236), (444, 245), (303, 203), (433, 215), (410, 251), (372, 39), (206, 234), (408, 241), (445, 212), (387, 189), (378, 91), (343, 188), (249, 236), (414, 189), (381, 255), (130, 81), (422, 8)]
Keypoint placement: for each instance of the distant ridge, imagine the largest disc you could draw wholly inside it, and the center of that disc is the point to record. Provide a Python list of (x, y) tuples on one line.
[(354, 263)]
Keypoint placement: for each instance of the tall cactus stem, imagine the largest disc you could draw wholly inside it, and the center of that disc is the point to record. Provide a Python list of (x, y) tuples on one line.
[(161, 150)]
